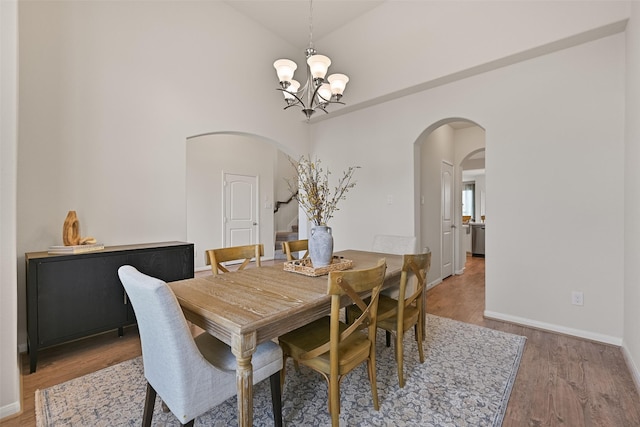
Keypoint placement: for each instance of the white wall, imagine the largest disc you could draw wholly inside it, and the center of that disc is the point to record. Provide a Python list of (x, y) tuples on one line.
[(109, 93), (556, 126), (9, 360), (426, 43), (632, 196), (538, 112)]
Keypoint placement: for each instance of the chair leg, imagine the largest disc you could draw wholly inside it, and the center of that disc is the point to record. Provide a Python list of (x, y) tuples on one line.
[(388, 336), (420, 338), (371, 365), (400, 357), (149, 403), (334, 399), (283, 372), (276, 398)]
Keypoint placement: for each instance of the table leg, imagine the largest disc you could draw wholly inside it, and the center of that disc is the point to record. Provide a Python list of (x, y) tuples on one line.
[(243, 348), (244, 382)]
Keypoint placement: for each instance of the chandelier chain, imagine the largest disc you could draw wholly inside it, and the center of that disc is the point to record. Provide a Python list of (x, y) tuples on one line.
[(311, 24)]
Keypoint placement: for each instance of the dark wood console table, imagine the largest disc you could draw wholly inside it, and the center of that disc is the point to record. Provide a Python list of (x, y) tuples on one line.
[(74, 296)]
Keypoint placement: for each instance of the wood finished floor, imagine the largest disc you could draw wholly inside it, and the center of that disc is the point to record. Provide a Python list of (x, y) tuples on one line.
[(562, 381)]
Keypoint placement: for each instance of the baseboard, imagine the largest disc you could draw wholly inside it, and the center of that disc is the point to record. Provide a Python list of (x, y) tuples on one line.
[(606, 339), (23, 348), (434, 283), (633, 368), (8, 410)]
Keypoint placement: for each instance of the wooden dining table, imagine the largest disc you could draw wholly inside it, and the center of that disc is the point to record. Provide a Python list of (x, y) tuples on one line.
[(248, 307)]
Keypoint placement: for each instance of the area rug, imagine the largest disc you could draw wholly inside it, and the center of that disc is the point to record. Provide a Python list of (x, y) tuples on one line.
[(466, 380)]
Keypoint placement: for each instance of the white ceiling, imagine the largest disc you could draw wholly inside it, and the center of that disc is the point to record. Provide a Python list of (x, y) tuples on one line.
[(290, 18)]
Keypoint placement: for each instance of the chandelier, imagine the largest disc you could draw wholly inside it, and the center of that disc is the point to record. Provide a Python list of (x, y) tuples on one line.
[(318, 91)]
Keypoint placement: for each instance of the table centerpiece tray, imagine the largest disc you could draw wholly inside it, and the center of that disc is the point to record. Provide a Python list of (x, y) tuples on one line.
[(305, 266)]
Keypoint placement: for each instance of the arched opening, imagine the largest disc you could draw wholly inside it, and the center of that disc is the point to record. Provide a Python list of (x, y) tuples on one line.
[(439, 155), (211, 159)]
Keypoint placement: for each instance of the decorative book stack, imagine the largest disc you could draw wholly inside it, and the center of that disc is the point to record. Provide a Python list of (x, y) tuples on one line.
[(75, 249)]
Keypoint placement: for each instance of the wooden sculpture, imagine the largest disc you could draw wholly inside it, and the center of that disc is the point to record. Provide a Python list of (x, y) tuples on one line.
[(71, 232)]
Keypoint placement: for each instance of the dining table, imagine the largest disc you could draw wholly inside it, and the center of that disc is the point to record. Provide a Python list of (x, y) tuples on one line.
[(251, 306)]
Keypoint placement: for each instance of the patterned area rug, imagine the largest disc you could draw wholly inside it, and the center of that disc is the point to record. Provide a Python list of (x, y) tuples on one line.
[(466, 380)]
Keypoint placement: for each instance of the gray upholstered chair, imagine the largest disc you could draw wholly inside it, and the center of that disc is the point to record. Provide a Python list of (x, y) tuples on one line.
[(191, 375), (398, 245)]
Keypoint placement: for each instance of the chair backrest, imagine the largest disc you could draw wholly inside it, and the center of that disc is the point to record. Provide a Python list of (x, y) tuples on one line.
[(294, 246), (171, 359), (216, 257), (398, 245), (417, 265), (352, 283)]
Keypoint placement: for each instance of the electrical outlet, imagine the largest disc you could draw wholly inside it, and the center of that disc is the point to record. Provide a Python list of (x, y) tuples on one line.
[(577, 298)]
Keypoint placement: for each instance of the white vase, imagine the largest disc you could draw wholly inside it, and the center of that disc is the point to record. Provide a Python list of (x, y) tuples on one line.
[(321, 245)]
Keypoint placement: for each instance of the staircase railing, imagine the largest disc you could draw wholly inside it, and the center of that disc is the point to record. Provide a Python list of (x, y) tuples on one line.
[(278, 203)]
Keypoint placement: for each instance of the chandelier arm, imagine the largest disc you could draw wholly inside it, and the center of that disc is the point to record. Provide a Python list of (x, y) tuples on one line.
[(313, 97), (298, 100)]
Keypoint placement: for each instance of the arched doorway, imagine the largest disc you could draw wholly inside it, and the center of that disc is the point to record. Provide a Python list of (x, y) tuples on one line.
[(211, 157), (440, 150)]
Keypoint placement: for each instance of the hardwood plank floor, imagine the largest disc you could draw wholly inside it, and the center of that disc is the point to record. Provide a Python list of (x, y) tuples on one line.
[(562, 380)]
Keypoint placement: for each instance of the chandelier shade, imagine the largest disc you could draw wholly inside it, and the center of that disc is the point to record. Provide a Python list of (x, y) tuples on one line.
[(285, 69), (318, 91)]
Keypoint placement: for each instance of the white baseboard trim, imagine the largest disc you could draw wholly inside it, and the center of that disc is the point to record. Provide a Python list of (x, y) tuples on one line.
[(23, 348), (633, 368), (12, 408), (607, 339), (434, 283)]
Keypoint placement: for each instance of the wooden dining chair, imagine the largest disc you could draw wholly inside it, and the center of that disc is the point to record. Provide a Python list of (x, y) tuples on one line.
[(334, 348), (398, 245), (191, 376), (399, 315), (290, 248), (216, 257)]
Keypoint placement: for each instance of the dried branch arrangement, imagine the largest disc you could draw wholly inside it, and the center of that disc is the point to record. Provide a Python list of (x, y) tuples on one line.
[(315, 195)]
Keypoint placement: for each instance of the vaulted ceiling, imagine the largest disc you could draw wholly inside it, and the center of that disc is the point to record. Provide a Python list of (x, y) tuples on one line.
[(290, 18)]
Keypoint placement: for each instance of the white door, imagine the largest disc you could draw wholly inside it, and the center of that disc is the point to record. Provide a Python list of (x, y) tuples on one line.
[(448, 225), (240, 210)]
